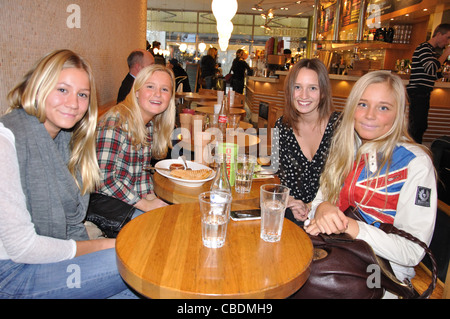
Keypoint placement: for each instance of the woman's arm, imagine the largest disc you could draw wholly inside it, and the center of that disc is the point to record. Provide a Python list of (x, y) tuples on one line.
[(416, 214), (18, 238), (90, 246)]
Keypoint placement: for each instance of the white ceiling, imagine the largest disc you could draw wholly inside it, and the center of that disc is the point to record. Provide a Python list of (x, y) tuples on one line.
[(304, 9)]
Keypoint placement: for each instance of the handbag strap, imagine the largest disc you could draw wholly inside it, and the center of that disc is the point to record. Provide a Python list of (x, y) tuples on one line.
[(391, 229)]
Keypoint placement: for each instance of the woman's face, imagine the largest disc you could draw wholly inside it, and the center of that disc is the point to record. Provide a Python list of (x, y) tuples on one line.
[(375, 113), (68, 102), (306, 91), (154, 96)]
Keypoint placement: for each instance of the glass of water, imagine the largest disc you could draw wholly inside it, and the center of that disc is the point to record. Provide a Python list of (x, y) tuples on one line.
[(215, 209), (245, 166), (273, 203)]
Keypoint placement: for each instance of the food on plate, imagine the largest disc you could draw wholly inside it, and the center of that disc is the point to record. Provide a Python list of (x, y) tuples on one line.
[(197, 174), (176, 166), (263, 160)]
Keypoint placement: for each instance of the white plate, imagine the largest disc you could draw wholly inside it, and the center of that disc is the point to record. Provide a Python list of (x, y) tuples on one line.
[(183, 182)]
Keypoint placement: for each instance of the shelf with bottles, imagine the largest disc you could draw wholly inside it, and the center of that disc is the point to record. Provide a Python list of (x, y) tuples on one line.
[(362, 45)]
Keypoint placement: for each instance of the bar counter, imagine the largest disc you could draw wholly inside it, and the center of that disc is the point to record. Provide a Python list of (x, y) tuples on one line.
[(271, 90)]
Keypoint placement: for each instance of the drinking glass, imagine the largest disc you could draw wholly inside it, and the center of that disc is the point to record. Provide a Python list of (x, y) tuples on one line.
[(215, 212), (245, 166), (273, 203)]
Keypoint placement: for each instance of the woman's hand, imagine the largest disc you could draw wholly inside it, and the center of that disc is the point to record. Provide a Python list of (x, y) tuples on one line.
[(328, 219), (150, 202), (299, 209), (90, 246)]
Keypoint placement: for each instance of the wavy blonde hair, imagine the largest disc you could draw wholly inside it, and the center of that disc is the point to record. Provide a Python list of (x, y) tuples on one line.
[(130, 118), (346, 141), (31, 95)]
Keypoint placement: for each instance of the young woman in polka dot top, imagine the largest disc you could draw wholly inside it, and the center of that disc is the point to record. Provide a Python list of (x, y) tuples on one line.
[(304, 134)]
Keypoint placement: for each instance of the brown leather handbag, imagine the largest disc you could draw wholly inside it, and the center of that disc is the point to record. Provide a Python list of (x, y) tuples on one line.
[(342, 268)]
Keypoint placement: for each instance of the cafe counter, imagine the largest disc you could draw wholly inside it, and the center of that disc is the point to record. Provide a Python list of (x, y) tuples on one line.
[(271, 90)]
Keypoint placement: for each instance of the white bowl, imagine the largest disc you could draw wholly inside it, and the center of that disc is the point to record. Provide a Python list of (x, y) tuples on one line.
[(179, 181)]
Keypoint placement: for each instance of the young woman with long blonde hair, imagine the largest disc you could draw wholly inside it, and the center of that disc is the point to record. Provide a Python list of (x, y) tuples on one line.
[(48, 168), (376, 167), (129, 135)]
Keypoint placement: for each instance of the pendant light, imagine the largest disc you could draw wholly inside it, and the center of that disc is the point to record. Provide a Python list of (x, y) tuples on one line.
[(224, 10)]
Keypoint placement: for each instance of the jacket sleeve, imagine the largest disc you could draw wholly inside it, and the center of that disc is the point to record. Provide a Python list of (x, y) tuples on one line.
[(416, 214)]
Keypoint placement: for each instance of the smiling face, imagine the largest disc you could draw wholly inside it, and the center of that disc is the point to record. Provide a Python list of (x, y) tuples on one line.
[(154, 96), (68, 102), (306, 91), (375, 113)]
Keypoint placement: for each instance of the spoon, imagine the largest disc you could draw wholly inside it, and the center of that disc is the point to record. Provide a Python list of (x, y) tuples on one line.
[(183, 158), (148, 168)]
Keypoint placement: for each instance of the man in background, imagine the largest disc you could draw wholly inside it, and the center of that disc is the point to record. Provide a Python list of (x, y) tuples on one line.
[(425, 70), (137, 60)]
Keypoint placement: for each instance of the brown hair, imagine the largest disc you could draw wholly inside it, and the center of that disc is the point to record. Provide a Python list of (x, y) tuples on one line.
[(443, 28), (325, 108)]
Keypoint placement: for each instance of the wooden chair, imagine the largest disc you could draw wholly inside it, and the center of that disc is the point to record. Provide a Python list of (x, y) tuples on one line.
[(207, 91), (439, 245), (239, 100), (443, 207)]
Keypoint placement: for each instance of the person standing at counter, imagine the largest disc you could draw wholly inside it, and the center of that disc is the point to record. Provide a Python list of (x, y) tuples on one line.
[(377, 168), (239, 68), (128, 136), (208, 65), (304, 133), (425, 67)]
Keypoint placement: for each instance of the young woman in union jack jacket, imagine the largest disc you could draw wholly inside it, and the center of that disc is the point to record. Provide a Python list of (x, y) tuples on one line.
[(387, 177)]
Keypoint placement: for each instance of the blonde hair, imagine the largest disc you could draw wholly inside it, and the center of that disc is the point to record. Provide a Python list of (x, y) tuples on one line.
[(346, 141), (31, 95), (130, 117)]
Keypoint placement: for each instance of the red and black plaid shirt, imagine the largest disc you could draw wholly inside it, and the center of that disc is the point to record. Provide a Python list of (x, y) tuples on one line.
[(121, 164)]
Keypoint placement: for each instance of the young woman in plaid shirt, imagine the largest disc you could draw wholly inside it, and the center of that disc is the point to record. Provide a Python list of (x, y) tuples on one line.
[(130, 133)]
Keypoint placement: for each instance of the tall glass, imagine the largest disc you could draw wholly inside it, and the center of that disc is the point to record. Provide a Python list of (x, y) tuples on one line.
[(215, 209), (245, 166), (273, 203)]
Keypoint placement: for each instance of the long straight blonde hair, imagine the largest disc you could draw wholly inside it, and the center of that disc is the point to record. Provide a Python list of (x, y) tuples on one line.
[(130, 117), (31, 95), (346, 148)]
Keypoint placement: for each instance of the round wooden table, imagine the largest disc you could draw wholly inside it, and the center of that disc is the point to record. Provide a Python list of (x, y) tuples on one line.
[(161, 255), (191, 96), (212, 103), (246, 142), (174, 193), (210, 110)]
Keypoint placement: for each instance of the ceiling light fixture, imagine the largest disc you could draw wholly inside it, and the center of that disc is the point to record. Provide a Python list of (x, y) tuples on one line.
[(224, 11)]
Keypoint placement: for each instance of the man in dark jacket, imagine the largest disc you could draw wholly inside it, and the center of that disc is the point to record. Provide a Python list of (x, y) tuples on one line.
[(137, 60)]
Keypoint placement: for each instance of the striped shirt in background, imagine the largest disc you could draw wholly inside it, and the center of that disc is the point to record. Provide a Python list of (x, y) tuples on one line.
[(424, 68)]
